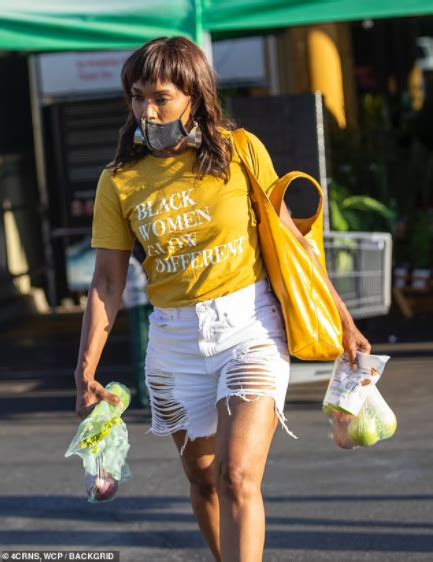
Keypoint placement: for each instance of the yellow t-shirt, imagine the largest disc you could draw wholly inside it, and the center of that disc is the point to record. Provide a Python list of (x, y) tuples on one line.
[(200, 236)]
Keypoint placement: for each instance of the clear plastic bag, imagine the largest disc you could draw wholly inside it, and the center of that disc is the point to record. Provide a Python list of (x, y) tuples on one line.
[(375, 422), (102, 443), (348, 388)]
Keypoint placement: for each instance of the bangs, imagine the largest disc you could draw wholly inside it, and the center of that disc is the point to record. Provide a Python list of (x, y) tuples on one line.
[(162, 60)]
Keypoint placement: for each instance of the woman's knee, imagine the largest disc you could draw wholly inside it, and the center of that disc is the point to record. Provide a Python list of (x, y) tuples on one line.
[(198, 463), (202, 481), (236, 481)]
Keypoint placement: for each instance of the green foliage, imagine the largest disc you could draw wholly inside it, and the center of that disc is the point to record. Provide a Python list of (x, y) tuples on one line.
[(359, 212)]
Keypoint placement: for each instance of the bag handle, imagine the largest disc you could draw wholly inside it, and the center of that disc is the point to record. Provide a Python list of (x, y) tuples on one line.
[(243, 149), (276, 197)]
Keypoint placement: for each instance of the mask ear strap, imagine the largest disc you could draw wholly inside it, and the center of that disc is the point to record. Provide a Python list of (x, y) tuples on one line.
[(195, 137), (186, 107)]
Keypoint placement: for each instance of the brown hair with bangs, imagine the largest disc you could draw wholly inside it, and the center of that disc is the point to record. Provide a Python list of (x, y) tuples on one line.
[(179, 61)]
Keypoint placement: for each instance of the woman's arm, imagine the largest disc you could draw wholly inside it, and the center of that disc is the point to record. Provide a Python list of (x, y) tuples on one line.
[(103, 304), (353, 340)]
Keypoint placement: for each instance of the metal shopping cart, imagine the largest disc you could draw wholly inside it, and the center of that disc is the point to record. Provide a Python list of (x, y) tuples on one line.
[(359, 265)]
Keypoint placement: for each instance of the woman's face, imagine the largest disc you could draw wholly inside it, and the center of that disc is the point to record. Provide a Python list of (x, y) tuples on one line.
[(160, 102)]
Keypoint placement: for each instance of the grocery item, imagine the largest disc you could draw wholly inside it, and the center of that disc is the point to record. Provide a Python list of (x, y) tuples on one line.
[(102, 442), (101, 487), (375, 422), (348, 388)]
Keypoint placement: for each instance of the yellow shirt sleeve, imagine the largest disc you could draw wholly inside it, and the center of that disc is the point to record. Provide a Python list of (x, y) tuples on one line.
[(263, 167), (110, 230)]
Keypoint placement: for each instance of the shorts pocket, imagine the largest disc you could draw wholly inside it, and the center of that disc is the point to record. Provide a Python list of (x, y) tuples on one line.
[(160, 318), (235, 317)]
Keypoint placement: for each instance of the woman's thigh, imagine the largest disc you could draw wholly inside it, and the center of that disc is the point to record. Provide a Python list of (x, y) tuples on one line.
[(244, 437), (250, 402), (198, 459)]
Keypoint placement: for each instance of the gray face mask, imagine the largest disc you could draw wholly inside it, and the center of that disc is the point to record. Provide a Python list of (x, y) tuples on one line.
[(160, 137)]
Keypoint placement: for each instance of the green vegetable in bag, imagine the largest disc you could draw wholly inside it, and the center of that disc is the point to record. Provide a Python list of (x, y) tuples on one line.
[(375, 422), (362, 430), (102, 443)]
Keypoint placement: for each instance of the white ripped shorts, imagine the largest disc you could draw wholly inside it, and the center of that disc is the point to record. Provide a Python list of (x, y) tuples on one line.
[(197, 355)]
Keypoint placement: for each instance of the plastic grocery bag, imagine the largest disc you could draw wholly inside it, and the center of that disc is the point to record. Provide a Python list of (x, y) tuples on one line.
[(375, 422), (348, 388), (102, 443)]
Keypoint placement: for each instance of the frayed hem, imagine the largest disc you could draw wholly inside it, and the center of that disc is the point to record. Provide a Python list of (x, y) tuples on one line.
[(187, 436), (243, 395), (283, 420)]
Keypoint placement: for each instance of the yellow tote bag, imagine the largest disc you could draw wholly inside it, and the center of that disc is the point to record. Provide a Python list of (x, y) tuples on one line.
[(312, 321)]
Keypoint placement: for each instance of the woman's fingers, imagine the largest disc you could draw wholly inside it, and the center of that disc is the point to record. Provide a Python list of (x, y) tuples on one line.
[(352, 355), (102, 394), (84, 410), (362, 343), (111, 398), (365, 346), (89, 397)]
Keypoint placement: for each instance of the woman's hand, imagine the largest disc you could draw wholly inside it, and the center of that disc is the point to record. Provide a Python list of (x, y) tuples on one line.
[(354, 341), (89, 394)]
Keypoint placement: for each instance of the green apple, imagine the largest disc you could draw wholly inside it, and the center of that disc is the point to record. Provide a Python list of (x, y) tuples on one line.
[(388, 428), (363, 431), (385, 418)]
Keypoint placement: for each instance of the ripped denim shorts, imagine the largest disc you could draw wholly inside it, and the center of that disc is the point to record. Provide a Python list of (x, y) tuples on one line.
[(197, 355)]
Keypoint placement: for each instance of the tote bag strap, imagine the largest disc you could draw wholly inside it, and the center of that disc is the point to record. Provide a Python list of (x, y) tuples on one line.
[(243, 149), (311, 227), (276, 196), (257, 193)]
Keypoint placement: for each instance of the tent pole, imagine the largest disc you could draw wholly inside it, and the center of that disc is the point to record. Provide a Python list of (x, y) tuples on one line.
[(207, 46), (41, 178), (272, 65), (321, 143), (202, 38)]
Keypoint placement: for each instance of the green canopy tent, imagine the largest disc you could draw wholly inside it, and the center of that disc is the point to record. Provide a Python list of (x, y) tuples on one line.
[(65, 25), (222, 17), (62, 25)]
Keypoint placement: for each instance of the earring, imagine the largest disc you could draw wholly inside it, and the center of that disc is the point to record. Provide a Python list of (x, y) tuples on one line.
[(138, 137), (194, 138)]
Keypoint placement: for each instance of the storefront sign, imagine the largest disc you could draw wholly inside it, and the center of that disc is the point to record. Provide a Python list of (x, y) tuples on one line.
[(72, 74)]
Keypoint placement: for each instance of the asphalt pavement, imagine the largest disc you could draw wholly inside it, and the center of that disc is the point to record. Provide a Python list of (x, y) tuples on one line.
[(322, 503)]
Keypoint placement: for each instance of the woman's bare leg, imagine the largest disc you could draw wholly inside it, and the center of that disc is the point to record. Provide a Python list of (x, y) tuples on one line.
[(198, 463), (242, 445)]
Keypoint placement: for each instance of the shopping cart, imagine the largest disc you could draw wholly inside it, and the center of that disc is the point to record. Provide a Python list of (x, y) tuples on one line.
[(359, 265)]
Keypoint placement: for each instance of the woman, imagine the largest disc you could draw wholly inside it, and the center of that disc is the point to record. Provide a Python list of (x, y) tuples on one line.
[(217, 366)]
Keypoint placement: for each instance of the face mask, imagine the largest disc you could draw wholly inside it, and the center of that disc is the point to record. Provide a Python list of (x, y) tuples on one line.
[(160, 137)]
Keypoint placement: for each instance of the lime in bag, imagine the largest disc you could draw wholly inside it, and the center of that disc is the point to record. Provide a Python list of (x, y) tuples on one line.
[(375, 422), (102, 443)]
